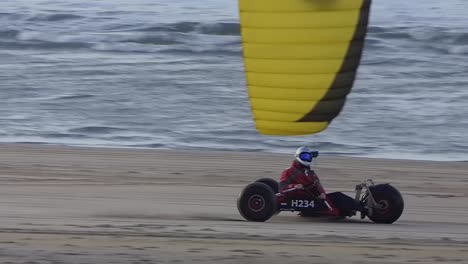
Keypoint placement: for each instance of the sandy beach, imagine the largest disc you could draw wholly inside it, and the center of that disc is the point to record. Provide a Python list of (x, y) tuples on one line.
[(108, 205)]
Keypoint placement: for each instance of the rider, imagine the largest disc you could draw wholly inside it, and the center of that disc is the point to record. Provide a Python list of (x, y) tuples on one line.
[(301, 176)]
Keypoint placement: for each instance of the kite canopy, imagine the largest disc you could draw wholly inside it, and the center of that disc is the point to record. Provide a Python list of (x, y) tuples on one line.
[(301, 59)]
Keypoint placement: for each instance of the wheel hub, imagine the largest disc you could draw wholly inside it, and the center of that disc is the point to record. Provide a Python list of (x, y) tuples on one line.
[(384, 207), (256, 203)]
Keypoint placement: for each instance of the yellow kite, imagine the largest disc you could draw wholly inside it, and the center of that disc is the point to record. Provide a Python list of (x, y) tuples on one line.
[(301, 58)]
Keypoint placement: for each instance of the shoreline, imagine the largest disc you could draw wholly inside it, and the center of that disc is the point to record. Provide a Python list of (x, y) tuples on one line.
[(405, 156)]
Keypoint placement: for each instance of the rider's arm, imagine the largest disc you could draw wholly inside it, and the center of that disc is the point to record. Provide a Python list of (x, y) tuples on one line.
[(318, 185), (314, 183)]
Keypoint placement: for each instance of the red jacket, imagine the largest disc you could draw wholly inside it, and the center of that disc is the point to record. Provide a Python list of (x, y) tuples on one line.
[(300, 174)]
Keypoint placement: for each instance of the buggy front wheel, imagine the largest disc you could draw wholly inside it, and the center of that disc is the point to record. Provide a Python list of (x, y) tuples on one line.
[(257, 202)]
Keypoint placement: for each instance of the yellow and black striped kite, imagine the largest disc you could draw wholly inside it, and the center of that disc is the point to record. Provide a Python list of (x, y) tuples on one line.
[(301, 58)]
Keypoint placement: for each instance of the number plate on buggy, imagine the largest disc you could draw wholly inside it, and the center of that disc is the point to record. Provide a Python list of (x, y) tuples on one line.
[(302, 203)]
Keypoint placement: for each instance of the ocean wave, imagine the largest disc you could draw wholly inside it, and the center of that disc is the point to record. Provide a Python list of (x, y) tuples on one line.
[(54, 17), (64, 135), (11, 16), (9, 34), (224, 51), (2, 14), (453, 36), (458, 50), (16, 39), (161, 39), (152, 145), (216, 38), (44, 45), (51, 98), (128, 47), (74, 96), (178, 49), (462, 38), (95, 130), (418, 34), (219, 28), (141, 40)]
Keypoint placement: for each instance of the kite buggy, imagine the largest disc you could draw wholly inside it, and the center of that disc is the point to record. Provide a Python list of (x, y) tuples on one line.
[(260, 200)]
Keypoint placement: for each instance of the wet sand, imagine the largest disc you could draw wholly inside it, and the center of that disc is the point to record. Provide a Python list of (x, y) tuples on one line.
[(95, 205)]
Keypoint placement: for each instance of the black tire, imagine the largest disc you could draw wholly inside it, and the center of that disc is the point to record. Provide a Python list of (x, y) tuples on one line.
[(257, 202), (274, 185), (389, 197)]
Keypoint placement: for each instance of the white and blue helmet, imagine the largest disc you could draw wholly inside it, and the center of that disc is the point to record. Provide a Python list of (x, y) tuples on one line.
[(304, 155)]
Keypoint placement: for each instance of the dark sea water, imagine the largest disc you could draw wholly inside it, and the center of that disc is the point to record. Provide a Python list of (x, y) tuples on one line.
[(169, 74)]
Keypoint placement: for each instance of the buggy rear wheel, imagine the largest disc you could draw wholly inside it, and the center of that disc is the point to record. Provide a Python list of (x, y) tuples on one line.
[(257, 202), (390, 204), (273, 184)]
